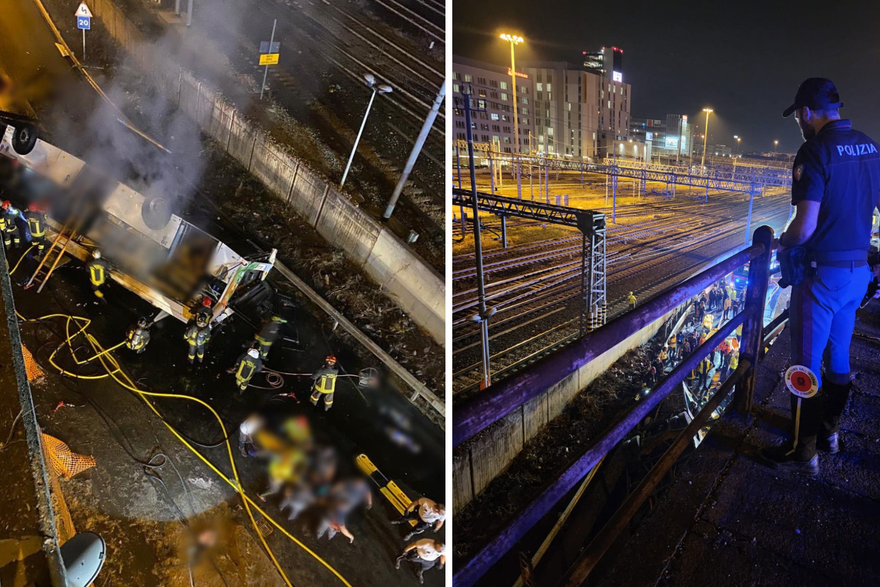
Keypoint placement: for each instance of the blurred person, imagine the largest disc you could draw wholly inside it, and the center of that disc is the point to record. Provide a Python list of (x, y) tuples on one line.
[(247, 432), (285, 466), (298, 497), (345, 496), (426, 513), (322, 470), (324, 383), (426, 553)]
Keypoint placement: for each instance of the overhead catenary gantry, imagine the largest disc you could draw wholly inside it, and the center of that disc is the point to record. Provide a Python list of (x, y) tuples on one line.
[(592, 225)]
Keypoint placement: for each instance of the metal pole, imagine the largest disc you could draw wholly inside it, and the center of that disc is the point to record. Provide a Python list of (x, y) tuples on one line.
[(266, 72), (705, 137), (84, 44), (458, 164), (189, 13), (491, 171), (753, 327), (357, 140), (177, 7), (504, 232), (417, 148), (749, 218), (478, 248), (519, 178), (515, 115), (613, 195)]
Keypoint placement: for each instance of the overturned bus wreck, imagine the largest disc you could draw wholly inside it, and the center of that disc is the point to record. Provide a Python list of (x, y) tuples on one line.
[(156, 254)]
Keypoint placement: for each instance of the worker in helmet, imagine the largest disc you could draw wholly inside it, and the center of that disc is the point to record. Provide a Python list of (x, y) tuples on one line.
[(138, 337), (632, 299), (324, 383), (248, 365), (204, 310), (10, 215), (197, 336), (98, 272), (36, 220), (268, 334)]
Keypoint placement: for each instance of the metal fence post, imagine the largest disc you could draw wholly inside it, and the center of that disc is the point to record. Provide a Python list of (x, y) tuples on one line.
[(753, 328)]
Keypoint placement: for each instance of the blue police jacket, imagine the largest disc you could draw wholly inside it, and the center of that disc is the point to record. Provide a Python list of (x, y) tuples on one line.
[(840, 168)]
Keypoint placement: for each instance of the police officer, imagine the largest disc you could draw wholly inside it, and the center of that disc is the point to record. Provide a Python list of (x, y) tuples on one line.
[(98, 271), (36, 220), (324, 383), (197, 336), (10, 216), (138, 337), (269, 333), (248, 365), (835, 187)]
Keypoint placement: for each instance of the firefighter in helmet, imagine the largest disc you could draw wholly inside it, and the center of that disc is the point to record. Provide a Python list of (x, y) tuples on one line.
[(138, 337), (269, 333), (324, 383), (36, 220), (197, 336), (204, 310), (248, 365), (98, 272)]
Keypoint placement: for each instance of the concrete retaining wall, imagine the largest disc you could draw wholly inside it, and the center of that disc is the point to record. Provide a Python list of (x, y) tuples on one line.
[(413, 284), (487, 455)]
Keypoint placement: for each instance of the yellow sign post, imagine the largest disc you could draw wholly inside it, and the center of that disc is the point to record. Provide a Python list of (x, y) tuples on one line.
[(269, 59)]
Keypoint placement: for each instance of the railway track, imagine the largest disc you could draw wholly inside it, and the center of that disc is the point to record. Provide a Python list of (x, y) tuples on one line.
[(526, 327)]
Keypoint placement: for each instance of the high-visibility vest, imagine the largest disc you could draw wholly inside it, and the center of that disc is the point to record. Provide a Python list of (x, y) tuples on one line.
[(97, 272), (8, 219), (35, 223), (326, 382), (246, 368), (2, 221), (196, 336)]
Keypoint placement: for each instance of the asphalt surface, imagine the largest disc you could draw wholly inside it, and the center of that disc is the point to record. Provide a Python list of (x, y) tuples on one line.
[(117, 497)]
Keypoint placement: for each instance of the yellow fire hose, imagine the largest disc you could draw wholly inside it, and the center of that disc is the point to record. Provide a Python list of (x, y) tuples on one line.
[(114, 370)]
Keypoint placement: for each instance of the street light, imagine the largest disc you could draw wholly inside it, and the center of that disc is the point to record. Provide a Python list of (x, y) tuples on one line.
[(775, 144), (377, 89), (738, 140), (514, 41), (708, 111)]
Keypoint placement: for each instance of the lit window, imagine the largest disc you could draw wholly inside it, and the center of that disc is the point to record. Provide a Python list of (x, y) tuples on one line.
[(502, 85), (504, 96), (540, 87), (494, 116), (468, 78)]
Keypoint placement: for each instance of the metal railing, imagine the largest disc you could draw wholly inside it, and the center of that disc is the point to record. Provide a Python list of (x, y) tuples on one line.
[(498, 401)]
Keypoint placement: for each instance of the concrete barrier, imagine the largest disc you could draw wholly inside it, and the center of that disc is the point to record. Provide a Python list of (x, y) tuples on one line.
[(477, 462), (411, 283)]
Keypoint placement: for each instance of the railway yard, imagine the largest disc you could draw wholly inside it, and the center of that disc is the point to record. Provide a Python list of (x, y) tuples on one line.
[(534, 286)]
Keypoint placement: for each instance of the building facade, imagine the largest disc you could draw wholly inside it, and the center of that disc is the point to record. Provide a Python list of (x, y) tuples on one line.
[(669, 137), (493, 86), (578, 114)]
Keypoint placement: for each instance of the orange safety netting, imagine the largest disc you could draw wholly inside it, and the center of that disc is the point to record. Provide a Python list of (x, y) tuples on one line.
[(64, 461), (30, 366)]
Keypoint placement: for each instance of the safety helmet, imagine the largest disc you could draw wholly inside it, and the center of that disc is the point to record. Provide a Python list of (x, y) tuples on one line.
[(201, 320), (630, 293), (96, 254), (330, 360), (6, 204), (34, 207), (254, 353), (207, 302)]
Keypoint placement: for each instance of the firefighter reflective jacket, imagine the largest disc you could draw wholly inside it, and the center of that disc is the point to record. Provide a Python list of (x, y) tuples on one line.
[(197, 336), (97, 271), (247, 367), (325, 380), (36, 223)]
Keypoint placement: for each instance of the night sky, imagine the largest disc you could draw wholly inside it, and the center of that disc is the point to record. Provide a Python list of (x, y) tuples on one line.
[(745, 59)]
